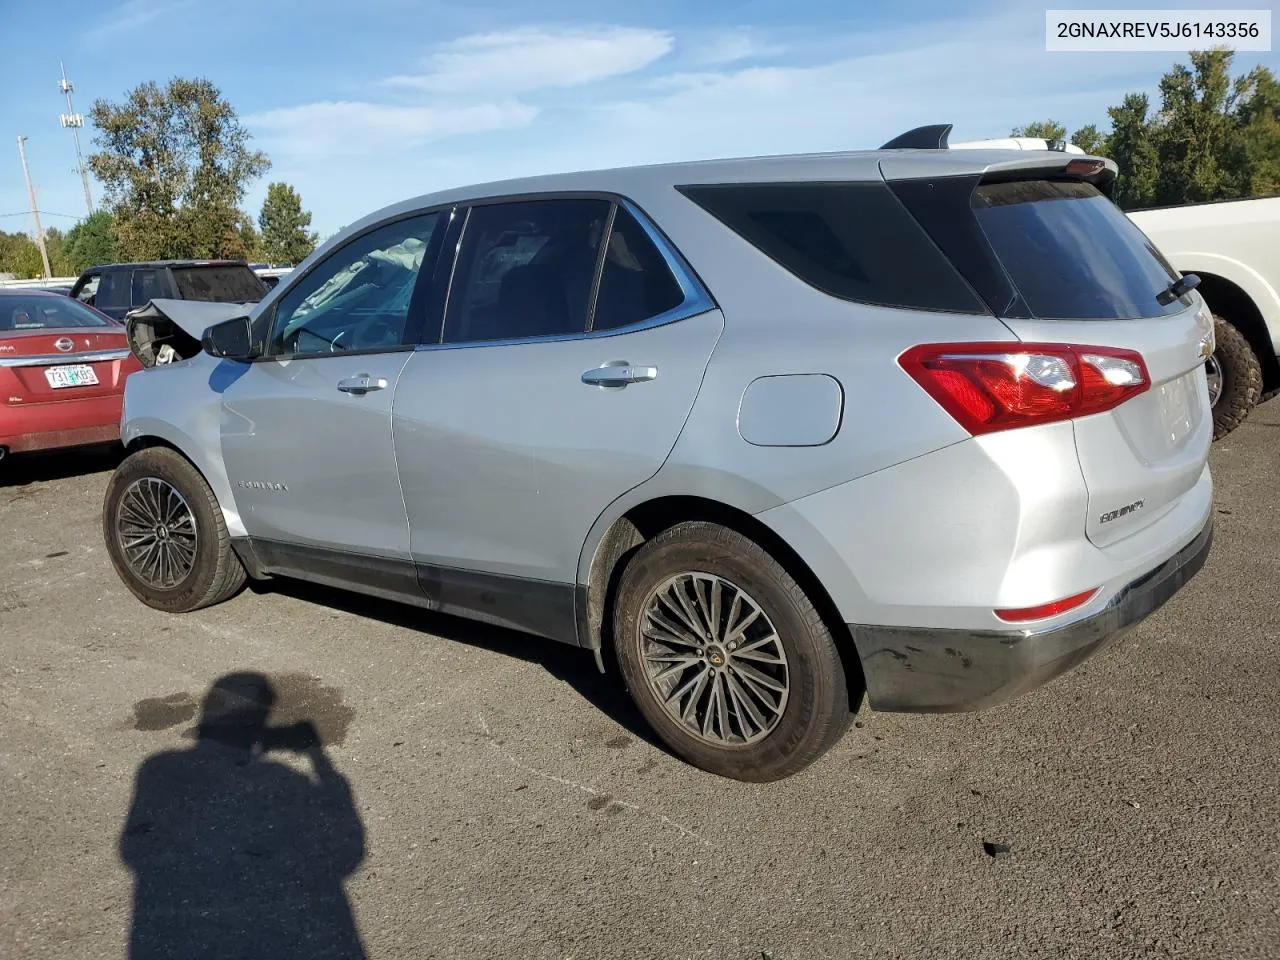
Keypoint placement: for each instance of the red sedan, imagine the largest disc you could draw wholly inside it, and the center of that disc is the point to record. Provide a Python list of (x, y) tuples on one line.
[(62, 371)]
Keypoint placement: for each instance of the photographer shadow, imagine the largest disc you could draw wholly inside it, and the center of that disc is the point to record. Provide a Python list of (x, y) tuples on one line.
[(236, 854)]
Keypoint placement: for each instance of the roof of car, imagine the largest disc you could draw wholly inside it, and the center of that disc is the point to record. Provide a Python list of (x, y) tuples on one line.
[(168, 263), (29, 292)]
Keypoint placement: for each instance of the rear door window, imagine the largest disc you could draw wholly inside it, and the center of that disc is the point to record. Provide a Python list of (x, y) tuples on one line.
[(219, 284), (526, 269), (148, 285), (851, 240), (1071, 252), (114, 290)]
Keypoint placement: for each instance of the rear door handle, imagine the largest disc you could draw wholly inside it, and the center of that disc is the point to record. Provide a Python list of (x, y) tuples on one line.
[(362, 384), (619, 374)]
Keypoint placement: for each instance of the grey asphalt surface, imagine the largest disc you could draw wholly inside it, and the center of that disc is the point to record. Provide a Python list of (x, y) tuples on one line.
[(511, 805)]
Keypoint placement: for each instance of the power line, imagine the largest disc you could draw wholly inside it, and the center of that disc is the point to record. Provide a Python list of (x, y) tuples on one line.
[(43, 213)]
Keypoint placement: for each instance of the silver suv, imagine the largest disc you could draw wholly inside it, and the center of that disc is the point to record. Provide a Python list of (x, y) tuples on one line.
[(925, 424)]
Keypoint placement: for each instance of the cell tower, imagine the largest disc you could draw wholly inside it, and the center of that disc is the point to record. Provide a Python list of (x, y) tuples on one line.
[(75, 121)]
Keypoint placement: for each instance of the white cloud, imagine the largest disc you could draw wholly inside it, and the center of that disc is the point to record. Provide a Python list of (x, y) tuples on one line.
[(535, 58), (320, 130), (732, 46), (133, 14)]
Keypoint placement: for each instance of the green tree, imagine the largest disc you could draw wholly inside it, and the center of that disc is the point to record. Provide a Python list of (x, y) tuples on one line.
[(1258, 140), (1132, 146), (286, 238), (91, 242), (175, 163), (1196, 135), (1091, 140), (1048, 129), (20, 256)]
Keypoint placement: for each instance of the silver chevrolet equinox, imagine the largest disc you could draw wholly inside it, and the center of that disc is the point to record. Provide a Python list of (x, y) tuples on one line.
[(922, 423)]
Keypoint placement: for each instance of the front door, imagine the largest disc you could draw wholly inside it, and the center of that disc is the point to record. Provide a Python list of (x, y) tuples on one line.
[(543, 401), (306, 429)]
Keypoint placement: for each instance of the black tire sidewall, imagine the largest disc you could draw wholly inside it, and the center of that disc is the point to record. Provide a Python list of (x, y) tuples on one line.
[(817, 707), (1241, 377), (176, 471)]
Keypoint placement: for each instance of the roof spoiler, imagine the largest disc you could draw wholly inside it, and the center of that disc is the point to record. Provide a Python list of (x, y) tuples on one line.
[(931, 137)]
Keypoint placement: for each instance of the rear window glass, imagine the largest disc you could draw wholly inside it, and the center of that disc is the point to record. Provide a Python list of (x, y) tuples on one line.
[(46, 313), (1071, 252), (220, 284), (850, 240)]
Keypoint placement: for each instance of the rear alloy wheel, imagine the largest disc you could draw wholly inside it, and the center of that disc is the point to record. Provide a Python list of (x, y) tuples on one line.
[(1235, 378), (725, 655), (165, 534)]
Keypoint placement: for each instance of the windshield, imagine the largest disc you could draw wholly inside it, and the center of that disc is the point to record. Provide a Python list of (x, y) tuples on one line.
[(1071, 252), (220, 284), (46, 313)]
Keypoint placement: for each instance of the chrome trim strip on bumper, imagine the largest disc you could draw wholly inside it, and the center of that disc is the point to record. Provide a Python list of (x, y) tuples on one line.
[(943, 671), (64, 359)]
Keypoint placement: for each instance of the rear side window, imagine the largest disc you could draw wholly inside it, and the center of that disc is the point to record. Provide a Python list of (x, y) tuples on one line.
[(1071, 253), (147, 285), (850, 240), (526, 269), (220, 284), (635, 283)]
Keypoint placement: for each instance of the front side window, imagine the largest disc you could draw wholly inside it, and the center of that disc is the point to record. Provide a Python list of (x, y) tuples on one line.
[(359, 298), (526, 269), (89, 290), (114, 290)]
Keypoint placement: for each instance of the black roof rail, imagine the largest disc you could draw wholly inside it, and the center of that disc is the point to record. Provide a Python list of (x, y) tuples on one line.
[(931, 137)]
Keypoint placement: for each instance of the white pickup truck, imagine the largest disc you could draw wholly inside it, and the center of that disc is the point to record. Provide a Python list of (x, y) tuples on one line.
[(1234, 248)]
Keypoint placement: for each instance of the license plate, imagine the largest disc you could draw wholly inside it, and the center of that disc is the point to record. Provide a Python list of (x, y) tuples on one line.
[(81, 375)]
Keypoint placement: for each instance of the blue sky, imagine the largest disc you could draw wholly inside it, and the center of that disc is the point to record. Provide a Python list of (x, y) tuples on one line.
[(360, 103)]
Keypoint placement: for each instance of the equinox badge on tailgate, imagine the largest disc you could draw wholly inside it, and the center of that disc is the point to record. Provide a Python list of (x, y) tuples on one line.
[(1122, 511)]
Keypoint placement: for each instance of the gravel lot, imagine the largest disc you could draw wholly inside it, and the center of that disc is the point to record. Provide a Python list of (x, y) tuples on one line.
[(502, 800)]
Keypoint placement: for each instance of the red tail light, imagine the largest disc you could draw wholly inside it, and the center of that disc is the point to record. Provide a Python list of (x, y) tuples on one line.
[(1000, 386), (1023, 614)]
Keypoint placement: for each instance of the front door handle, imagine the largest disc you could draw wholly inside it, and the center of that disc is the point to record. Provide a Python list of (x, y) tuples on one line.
[(619, 374), (362, 384)]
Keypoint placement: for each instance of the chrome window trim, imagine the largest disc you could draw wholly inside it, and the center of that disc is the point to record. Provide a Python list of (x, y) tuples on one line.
[(64, 359), (697, 299)]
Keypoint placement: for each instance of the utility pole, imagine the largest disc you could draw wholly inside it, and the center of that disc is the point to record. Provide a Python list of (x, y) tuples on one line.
[(35, 212), (74, 121)]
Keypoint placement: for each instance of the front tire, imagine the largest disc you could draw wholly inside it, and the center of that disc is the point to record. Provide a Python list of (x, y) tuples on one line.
[(729, 661), (1235, 378), (165, 534)]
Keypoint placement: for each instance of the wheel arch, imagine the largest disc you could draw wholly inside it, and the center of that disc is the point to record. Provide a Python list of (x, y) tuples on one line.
[(645, 520), (1228, 300), (141, 433)]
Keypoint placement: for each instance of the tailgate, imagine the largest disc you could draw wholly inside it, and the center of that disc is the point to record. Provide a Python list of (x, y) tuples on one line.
[(1140, 458), (1059, 263)]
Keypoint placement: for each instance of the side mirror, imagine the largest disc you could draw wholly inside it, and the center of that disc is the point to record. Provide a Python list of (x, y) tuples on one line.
[(230, 340)]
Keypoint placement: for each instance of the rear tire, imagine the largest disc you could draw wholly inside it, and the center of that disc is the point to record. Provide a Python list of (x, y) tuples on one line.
[(165, 534), (786, 701), (1240, 374)]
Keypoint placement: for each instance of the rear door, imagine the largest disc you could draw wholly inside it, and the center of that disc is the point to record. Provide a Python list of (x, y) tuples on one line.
[(114, 296), (1075, 270), (541, 401)]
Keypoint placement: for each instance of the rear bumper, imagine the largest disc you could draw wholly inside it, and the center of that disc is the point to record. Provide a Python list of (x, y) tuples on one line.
[(69, 423), (941, 671)]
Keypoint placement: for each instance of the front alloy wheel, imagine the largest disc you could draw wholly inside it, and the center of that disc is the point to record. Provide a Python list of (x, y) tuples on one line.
[(157, 533)]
